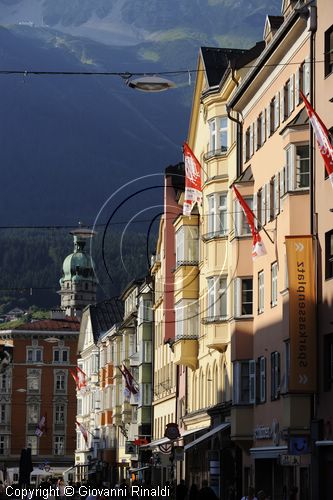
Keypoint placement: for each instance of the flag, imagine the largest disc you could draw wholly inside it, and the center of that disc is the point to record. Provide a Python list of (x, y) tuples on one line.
[(41, 427), (131, 387), (80, 378), (83, 431), (193, 189), (322, 137), (258, 248)]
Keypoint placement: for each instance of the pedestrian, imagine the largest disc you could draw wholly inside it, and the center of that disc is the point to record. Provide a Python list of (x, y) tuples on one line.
[(181, 490), (193, 493), (206, 492), (250, 495)]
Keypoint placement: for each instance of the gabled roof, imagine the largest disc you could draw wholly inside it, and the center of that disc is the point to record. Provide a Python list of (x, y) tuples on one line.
[(272, 23), (301, 119), (53, 325), (105, 314), (216, 61), (246, 176)]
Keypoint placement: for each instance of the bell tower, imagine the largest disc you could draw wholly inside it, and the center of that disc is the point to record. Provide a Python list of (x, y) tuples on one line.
[(78, 283)]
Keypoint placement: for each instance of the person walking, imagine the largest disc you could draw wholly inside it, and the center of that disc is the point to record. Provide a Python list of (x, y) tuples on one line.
[(206, 492), (181, 490), (250, 495)]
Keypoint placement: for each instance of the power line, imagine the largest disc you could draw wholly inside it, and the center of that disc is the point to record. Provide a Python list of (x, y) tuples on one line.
[(127, 75)]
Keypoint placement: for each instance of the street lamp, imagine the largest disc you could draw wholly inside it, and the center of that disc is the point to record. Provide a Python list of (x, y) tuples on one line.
[(151, 84)]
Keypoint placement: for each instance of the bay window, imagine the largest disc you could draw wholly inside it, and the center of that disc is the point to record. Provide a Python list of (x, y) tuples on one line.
[(243, 297), (218, 135), (187, 245), (217, 214), (217, 298), (186, 316), (242, 227), (298, 166)]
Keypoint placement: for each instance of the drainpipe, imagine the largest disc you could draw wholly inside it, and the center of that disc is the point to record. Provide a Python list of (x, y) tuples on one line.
[(239, 140)]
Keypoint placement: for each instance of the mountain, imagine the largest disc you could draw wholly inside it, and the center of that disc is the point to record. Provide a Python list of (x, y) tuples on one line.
[(133, 21)]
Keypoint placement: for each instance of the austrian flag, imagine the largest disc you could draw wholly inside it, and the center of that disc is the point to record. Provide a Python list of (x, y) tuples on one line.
[(193, 188), (258, 248), (131, 387), (80, 378), (83, 431), (322, 137)]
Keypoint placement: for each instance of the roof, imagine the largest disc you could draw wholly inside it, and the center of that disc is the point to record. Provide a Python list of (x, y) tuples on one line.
[(105, 314), (301, 119), (52, 325), (216, 61), (275, 21), (246, 176)]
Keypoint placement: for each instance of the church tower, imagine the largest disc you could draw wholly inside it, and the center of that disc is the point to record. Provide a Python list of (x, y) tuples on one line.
[(78, 282)]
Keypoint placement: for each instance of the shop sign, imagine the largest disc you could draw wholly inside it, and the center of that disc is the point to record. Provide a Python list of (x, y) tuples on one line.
[(130, 448), (299, 445), (179, 453), (290, 460), (261, 432), (302, 319), (172, 431)]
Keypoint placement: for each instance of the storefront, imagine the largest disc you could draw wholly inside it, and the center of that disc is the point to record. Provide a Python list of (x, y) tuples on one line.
[(324, 454)]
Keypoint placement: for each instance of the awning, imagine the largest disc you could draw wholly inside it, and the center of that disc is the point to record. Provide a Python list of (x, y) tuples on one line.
[(324, 443), (268, 451), (164, 440), (145, 467), (207, 435)]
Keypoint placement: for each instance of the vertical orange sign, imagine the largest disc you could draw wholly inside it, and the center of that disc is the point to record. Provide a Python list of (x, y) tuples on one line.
[(302, 322)]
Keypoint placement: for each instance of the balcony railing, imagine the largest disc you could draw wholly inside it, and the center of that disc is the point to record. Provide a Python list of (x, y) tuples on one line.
[(187, 263), (222, 151), (214, 319)]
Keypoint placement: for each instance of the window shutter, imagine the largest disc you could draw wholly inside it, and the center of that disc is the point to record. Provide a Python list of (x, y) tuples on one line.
[(237, 297), (238, 218), (262, 379), (268, 121), (236, 381), (292, 92), (268, 202), (252, 381), (276, 195), (263, 127), (306, 80), (255, 209), (255, 135), (282, 112), (277, 110), (297, 89), (251, 140)]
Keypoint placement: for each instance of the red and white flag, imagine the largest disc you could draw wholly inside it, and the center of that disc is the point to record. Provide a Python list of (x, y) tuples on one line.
[(193, 187), (83, 431), (131, 387), (258, 248), (322, 137), (41, 427), (80, 378)]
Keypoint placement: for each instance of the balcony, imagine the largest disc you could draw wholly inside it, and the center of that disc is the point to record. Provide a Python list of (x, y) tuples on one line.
[(222, 151), (185, 351), (217, 332)]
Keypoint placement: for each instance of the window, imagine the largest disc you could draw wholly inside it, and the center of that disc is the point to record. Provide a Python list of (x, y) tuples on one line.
[(246, 145), (242, 227), (275, 375), (32, 442), (217, 214), (244, 382), (187, 245), (217, 298), (59, 414), (32, 413), (146, 395), (276, 196), (263, 127), (261, 292), (3, 413), (306, 76), (262, 379), (243, 297), (329, 51), (258, 125), (285, 385), (186, 312), (274, 288), (276, 104), (3, 445), (34, 355), (5, 382), (60, 355), (298, 166), (329, 254), (289, 96), (218, 135), (147, 351), (33, 381), (59, 445), (60, 382)]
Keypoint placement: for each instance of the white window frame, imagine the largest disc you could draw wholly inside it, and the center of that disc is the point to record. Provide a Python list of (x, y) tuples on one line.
[(276, 111), (261, 292), (239, 297), (60, 381), (187, 245), (218, 134), (274, 284), (59, 445), (32, 442), (217, 297), (187, 319), (242, 228), (61, 351), (262, 379), (217, 221), (33, 413), (34, 354), (293, 167), (59, 410), (244, 382)]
